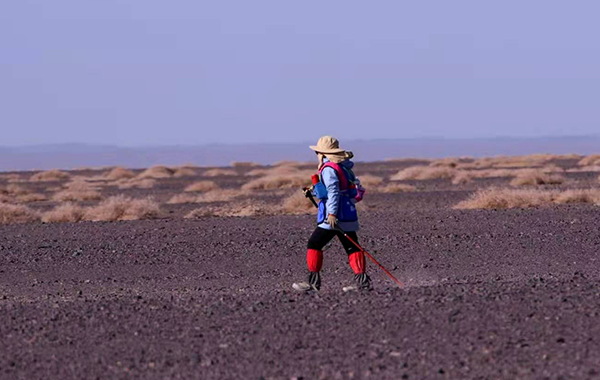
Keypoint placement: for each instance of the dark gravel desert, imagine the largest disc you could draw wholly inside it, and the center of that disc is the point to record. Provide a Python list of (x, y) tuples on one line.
[(489, 294)]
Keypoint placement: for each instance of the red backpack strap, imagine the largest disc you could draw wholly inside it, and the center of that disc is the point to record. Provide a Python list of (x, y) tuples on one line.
[(340, 173)]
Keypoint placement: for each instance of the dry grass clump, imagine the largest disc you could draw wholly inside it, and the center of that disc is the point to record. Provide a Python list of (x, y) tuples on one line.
[(536, 178), (19, 194), (182, 198), (502, 198), (219, 172), (243, 209), (119, 173), (76, 195), (224, 195), (156, 172), (136, 183), (395, 188), (280, 180), (462, 177), (29, 198), (184, 172), (201, 186), (368, 180), (591, 160), (244, 164), (11, 214), (49, 176), (63, 213), (590, 168), (421, 173), (297, 204), (120, 207), (579, 196)]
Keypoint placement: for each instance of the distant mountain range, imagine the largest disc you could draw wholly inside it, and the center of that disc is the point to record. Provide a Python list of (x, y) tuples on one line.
[(70, 156)]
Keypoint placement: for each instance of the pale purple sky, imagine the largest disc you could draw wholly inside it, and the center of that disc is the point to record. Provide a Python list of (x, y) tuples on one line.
[(146, 72)]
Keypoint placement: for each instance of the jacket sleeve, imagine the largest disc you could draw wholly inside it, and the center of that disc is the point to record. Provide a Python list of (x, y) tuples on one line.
[(332, 183)]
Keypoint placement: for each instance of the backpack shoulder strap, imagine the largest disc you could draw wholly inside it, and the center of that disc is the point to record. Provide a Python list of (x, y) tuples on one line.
[(340, 173)]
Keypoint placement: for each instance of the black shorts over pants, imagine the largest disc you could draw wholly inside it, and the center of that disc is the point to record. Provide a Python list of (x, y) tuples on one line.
[(320, 237)]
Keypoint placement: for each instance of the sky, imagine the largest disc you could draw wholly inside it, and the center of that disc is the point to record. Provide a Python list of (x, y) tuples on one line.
[(156, 72)]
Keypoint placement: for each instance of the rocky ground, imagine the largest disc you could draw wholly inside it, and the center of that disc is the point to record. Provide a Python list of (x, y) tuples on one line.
[(489, 295)]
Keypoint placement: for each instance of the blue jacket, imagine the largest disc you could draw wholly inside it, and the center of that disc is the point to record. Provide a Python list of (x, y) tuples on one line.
[(332, 184)]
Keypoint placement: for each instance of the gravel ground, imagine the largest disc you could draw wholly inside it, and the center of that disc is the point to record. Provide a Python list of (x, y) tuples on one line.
[(488, 295)]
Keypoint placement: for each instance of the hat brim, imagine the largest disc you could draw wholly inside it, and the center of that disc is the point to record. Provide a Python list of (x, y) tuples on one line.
[(326, 151)]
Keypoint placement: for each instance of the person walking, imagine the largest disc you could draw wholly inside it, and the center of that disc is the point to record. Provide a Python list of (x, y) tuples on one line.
[(338, 190)]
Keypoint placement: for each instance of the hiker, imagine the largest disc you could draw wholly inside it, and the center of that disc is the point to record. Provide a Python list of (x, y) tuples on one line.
[(338, 192)]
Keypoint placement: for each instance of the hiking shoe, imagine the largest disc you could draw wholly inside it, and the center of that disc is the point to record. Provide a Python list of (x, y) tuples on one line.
[(362, 282), (313, 283)]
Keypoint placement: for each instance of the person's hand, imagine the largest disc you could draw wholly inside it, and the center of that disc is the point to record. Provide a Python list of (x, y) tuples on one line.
[(332, 220)]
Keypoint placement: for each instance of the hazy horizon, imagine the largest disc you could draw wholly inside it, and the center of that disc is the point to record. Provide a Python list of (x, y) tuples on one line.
[(146, 73)]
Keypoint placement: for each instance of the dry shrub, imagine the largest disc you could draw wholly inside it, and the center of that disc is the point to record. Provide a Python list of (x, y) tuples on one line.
[(288, 163), (499, 198), (462, 177), (156, 172), (201, 186), (81, 184), (76, 195), (280, 180), (31, 197), (219, 172), (536, 178), (368, 180), (591, 168), (395, 188), (297, 204), (243, 164), (15, 190), (591, 160), (259, 172), (120, 207), (67, 212), (235, 209), (136, 183), (579, 196), (10, 214), (421, 173), (49, 176), (119, 173), (183, 198), (184, 172), (224, 195)]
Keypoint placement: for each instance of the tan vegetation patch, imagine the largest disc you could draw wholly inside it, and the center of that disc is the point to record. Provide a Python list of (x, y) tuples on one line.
[(242, 209), (30, 198), (201, 186), (217, 172), (462, 177), (297, 204), (368, 180), (185, 172), (156, 172), (77, 195), (67, 212), (421, 173), (279, 181), (244, 164), (12, 214), (118, 173), (49, 176), (120, 207), (503, 198), (224, 195), (536, 178), (591, 160), (395, 188), (182, 199), (136, 183), (590, 168)]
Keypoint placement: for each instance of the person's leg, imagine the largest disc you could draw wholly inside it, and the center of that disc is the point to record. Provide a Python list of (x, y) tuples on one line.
[(356, 258), (314, 257)]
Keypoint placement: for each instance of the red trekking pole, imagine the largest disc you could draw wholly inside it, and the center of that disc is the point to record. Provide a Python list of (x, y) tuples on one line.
[(308, 194)]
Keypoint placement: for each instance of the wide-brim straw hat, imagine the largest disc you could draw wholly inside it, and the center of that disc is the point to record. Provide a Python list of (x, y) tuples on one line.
[(327, 145)]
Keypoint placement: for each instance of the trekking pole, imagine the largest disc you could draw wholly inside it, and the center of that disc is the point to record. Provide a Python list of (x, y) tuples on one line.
[(309, 195)]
